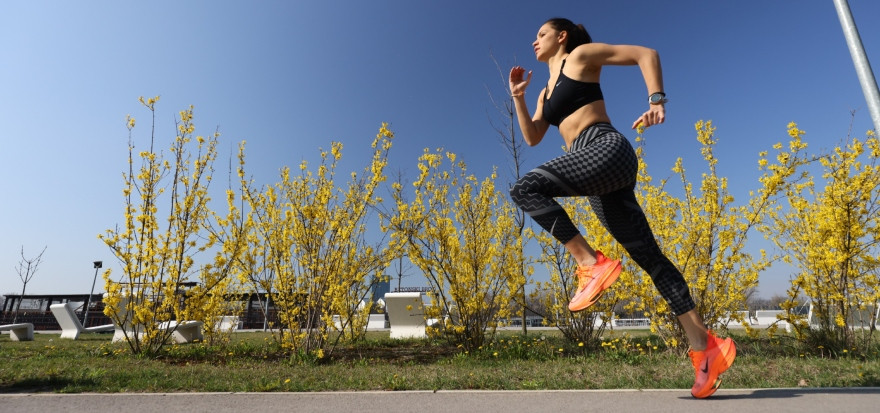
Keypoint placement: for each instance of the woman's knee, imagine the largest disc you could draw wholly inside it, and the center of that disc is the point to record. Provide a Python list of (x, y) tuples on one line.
[(523, 188), (515, 193)]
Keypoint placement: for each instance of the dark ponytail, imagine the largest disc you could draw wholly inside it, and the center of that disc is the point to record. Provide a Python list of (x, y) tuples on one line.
[(577, 34)]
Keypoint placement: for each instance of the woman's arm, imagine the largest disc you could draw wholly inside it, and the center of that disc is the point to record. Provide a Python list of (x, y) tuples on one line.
[(595, 55), (533, 127)]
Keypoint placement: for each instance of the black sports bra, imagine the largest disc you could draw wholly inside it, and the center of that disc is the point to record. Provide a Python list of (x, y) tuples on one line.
[(568, 96)]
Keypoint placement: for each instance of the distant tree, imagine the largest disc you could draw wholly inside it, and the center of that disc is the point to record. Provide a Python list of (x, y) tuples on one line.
[(761, 303), (401, 267), (506, 130), (536, 303), (26, 270)]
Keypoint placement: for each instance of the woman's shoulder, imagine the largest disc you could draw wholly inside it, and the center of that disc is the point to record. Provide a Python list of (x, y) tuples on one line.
[(587, 50), (600, 54), (588, 57)]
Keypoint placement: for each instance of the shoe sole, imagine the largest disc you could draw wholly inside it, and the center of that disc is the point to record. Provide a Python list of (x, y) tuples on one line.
[(607, 278)]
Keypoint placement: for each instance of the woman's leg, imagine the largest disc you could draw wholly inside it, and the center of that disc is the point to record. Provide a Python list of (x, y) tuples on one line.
[(581, 251), (696, 331), (621, 214), (534, 193), (601, 161)]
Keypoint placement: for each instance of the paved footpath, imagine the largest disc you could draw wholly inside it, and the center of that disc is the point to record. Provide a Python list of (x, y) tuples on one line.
[(798, 400)]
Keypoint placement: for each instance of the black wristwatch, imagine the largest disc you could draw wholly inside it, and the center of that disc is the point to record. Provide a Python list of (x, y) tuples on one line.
[(657, 98)]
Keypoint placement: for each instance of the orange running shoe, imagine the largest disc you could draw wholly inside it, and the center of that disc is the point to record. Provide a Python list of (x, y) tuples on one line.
[(593, 280), (710, 363)]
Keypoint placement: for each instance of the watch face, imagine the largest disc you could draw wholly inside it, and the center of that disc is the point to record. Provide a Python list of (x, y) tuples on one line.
[(656, 98)]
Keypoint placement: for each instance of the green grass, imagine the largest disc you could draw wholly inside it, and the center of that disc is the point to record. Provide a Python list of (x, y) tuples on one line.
[(540, 360)]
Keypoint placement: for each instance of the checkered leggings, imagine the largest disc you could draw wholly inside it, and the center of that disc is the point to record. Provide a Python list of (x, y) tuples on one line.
[(602, 165)]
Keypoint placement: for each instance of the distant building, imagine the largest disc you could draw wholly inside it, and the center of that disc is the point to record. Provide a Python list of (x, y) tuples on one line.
[(379, 290)]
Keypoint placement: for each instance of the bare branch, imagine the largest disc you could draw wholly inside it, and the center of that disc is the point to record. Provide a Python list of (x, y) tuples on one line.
[(26, 270)]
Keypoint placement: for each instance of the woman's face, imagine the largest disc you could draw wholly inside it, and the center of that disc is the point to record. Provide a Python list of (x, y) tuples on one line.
[(546, 43)]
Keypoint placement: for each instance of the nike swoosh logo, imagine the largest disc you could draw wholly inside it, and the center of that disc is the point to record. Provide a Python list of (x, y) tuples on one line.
[(705, 368)]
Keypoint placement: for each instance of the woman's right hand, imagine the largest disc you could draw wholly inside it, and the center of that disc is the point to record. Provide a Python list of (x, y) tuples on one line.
[(518, 85)]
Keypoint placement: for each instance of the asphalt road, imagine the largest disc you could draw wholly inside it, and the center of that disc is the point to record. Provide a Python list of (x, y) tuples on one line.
[(798, 400)]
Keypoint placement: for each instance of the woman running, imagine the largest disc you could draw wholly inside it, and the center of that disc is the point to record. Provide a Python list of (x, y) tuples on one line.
[(602, 165)]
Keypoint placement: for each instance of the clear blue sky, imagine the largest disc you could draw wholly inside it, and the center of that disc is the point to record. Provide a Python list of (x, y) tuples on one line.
[(292, 76)]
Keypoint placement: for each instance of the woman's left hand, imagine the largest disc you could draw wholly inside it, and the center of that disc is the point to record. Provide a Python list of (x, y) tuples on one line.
[(655, 115)]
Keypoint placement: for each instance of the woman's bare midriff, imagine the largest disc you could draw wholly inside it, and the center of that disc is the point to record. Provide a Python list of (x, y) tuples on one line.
[(580, 119)]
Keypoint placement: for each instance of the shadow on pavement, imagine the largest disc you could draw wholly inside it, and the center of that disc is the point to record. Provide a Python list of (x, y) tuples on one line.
[(792, 393)]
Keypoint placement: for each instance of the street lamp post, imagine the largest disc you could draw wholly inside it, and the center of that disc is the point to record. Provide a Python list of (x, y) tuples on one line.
[(97, 265), (860, 60)]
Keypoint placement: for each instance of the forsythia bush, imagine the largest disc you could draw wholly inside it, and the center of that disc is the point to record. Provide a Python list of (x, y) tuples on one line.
[(461, 233), (303, 243), (704, 234), (156, 246), (832, 237), (308, 249)]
